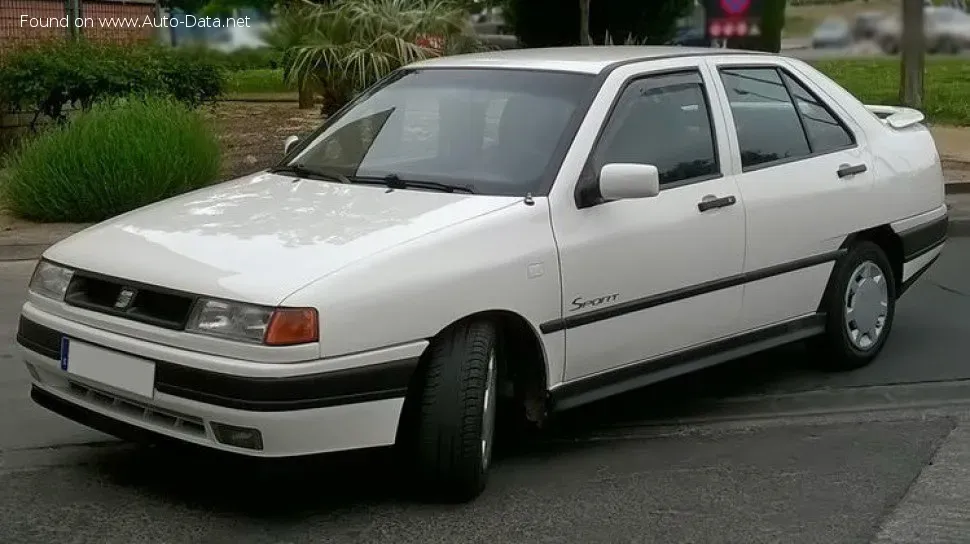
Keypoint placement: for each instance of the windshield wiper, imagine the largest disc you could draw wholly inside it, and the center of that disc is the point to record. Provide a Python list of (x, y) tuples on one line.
[(304, 171), (393, 181)]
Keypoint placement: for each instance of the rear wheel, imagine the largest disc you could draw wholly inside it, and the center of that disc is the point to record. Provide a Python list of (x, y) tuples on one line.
[(455, 423), (860, 307)]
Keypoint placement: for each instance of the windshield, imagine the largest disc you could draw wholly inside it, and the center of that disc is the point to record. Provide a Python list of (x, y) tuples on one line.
[(495, 131)]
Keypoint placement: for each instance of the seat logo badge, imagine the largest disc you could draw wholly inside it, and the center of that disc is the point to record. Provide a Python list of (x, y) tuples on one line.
[(124, 298)]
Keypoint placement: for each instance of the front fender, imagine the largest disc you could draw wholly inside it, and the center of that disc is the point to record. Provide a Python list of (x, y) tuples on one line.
[(502, 261)]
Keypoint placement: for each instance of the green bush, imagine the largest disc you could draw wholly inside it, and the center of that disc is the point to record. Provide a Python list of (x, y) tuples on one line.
[(258, 81), (118, 156), (52, 76), (246, 58)]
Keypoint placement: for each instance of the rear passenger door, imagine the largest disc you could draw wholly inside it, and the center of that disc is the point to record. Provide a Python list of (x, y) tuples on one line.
[(804, 174)]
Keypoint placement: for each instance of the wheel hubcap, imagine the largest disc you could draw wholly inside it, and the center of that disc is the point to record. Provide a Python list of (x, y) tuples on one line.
[(866, 305), (488, 411)]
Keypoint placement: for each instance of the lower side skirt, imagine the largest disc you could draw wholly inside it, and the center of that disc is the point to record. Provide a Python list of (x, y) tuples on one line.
[(650, 371)]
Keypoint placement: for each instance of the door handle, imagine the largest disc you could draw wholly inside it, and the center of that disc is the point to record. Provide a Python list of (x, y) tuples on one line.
[(711, 202), (846, 170)]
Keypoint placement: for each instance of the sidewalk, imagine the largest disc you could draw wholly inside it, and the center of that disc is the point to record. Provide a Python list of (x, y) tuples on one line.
[(954, 146)]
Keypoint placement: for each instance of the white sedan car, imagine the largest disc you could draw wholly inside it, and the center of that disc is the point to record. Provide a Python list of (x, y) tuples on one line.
[(506, 234)]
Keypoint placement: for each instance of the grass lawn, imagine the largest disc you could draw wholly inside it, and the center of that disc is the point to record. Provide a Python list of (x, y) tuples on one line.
[(876, 81), (258, 81)]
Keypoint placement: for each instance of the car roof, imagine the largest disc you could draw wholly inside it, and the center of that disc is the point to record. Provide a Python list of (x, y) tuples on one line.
[(583, 59)]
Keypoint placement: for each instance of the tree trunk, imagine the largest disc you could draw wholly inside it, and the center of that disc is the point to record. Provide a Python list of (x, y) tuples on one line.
[(306, 96), (771, 25), (584, 22), (913, 55)]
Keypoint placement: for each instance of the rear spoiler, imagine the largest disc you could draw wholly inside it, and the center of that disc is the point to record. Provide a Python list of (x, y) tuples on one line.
[(897, 117)]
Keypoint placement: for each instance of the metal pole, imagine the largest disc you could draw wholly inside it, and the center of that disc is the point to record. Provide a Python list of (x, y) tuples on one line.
[(584, 22), (913, 55)]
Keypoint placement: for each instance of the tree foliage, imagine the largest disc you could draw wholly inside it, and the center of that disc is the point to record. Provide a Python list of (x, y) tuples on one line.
[(342, 48), (548, 23)]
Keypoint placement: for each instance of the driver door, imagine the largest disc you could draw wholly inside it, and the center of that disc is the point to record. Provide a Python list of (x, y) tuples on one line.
[(647, 277)]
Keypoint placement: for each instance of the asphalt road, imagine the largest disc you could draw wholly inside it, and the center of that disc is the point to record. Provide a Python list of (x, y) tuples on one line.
[(605, 473)]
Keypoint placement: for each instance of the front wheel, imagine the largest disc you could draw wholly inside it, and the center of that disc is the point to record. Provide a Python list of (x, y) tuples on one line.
[(455, 427), (860, 307)]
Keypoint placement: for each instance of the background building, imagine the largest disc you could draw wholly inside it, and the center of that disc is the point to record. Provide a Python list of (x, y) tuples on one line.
[(14, 34)]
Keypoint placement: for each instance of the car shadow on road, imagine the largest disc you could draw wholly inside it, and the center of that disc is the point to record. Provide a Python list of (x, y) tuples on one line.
[(285, 491)]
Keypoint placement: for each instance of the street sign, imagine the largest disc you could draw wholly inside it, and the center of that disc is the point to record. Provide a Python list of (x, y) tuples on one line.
[(733, 18), (735, 7)]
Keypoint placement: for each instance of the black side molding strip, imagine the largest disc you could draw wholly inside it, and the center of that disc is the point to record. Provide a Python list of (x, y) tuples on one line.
[(644, 303), (264, 394), (643, 373), (924, 238)]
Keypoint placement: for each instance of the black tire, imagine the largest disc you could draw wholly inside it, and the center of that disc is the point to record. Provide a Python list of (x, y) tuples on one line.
[(447, 447), (835, 349)]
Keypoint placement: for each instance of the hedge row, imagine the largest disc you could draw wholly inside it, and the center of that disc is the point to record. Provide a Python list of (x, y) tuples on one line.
[(53, 76), (121, 154), (247, 58)]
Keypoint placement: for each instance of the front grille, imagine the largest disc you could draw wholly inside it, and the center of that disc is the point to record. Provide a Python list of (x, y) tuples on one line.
[(148, 304), (181, 423)]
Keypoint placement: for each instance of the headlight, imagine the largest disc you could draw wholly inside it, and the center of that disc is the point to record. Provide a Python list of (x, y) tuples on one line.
[(252, 323), (50, 280)]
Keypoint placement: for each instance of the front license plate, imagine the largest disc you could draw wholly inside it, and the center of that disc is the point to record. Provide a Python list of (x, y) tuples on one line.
[(117, 370)]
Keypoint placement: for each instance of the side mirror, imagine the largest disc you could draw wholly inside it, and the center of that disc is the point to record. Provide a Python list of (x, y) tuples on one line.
[(288, 144), (620, 181)]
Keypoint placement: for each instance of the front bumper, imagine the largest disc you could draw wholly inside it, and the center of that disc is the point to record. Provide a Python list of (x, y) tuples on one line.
[(357, 405)]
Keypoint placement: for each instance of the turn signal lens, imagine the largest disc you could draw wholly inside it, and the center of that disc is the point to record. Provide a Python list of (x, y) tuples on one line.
[(289, 326)]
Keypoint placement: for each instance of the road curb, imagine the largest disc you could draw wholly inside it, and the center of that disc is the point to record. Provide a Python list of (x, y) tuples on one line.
[(960, 188), (22, 252)]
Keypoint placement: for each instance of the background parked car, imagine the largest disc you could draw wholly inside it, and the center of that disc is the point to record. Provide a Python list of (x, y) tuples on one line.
[(865, 25), (833, 32), (947, 31)]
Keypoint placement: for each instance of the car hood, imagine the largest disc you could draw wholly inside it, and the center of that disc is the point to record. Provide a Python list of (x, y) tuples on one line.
[(260, 238)]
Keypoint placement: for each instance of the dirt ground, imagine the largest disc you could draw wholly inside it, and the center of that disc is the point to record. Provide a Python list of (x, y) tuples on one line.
[(252, 133)]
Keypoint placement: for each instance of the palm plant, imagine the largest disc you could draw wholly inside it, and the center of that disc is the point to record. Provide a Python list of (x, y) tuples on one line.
[(293, 28), (353, 43)]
